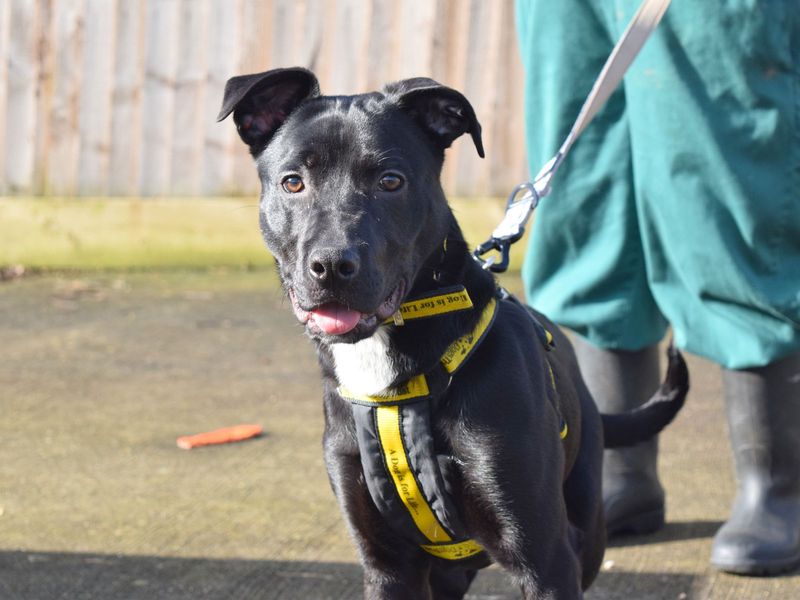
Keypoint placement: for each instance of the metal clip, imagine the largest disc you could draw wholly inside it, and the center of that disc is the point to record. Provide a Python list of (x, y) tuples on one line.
[(627, 47), (510, 229)]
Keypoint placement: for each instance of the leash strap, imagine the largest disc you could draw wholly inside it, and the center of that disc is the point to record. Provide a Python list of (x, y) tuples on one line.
[(548, 343), (524, 199), (627, 48)]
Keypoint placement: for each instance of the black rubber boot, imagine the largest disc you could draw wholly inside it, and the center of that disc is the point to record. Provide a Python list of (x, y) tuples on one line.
[(762, 536), (619, 381)]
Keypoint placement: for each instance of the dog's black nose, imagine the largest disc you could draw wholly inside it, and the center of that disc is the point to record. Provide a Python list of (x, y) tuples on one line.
[(328, 266)]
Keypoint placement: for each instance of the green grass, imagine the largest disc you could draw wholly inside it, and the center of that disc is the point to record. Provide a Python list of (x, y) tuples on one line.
[(132, 234)]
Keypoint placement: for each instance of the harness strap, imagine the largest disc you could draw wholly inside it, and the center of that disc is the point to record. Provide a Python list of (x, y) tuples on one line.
[(440, 542), (547, 340), (544, 335), (458, 352), (395, 437), (422, 387), (444, 301), (413, 390)]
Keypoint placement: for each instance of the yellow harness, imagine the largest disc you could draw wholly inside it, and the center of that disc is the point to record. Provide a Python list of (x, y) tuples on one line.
[(392, 422), (454, 356)]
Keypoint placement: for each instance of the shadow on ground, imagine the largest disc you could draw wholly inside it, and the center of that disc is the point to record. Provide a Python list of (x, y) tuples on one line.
[(672, 532), (66, 576)]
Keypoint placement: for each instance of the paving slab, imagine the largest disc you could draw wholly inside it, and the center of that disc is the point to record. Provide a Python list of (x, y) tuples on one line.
[(100, 374)]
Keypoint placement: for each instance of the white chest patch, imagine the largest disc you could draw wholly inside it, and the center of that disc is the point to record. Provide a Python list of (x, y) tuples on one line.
[(365, 367)]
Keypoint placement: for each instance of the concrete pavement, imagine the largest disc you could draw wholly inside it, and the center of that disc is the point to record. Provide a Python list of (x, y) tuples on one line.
[(100, 374)]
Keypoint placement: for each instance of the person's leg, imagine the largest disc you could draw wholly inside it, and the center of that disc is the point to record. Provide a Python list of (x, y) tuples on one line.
[(585, 267), (716, 162), (762, 535), (715, 145), (619, 381)]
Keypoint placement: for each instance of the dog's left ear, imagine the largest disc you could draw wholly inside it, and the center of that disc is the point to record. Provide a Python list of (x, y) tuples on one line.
[(260, 103), (442, 111)]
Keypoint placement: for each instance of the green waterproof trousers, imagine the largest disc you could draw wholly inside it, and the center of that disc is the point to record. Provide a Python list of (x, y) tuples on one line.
[(680, 203)]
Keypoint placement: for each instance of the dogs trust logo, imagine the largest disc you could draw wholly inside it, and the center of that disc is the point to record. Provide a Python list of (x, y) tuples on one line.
[(409, 498), (457, 351)]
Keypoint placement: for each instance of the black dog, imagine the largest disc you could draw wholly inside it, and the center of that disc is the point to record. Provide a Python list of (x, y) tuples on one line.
[(458, 428)]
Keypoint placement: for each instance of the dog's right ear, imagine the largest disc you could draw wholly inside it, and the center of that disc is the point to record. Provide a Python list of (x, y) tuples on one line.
[(260, 103), (442, 112)]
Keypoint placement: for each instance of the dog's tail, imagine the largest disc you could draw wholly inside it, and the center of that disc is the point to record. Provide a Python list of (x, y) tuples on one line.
[(638, 425)]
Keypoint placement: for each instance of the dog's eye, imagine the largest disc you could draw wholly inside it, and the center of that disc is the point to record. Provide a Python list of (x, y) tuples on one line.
[(292, 184), (390, 182)]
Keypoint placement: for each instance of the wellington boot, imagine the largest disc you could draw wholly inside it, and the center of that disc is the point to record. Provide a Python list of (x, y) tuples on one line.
[(762, 535), (619, 381)]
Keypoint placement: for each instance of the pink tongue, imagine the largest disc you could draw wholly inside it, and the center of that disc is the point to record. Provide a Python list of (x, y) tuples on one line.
[(335, 319)]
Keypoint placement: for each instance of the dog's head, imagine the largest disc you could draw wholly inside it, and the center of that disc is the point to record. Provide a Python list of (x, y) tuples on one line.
[(351, 205)]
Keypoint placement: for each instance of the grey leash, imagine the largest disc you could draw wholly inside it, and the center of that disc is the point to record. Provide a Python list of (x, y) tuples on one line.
[(525, 197)]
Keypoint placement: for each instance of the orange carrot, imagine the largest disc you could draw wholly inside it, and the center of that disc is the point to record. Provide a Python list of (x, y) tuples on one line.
[(235, 433)]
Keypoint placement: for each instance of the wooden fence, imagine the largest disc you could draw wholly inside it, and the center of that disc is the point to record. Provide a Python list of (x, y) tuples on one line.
[(119, 97)]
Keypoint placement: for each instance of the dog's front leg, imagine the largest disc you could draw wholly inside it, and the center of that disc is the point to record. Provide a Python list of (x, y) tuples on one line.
[(531, 540), (513, 501), (393, 568)]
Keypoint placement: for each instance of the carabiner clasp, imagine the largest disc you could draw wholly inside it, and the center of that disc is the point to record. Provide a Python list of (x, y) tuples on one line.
[(510, 229), (491, 263)]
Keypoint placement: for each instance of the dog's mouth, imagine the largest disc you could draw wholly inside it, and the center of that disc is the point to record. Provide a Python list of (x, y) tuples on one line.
[(337, 319)]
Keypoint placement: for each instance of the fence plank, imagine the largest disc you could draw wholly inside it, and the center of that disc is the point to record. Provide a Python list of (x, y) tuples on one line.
[(219, 146), (95, 101), (61, 177), (468, 168), (324, 13), (444, 31), (488, 81), (507, 162), (5, 20), (416, 35), (22, 82), (119, 96), (44, 94), (255, 35), (307, 46), (457, 18), (383, 36), (350, 30), (190, 86), (254, 57), (126, 118), (159, 96)]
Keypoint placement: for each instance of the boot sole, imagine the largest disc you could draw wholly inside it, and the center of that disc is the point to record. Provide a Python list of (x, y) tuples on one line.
[(639, 524), (759, 567)]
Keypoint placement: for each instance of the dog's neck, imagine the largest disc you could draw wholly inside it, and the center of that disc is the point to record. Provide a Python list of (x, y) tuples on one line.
[(394, 354)]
